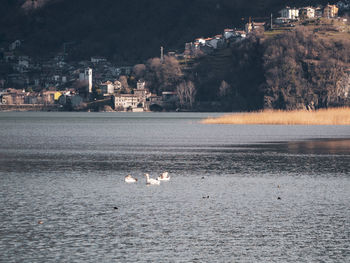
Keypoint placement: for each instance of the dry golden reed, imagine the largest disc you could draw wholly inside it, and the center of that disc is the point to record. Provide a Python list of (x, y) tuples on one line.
[(332, 116)]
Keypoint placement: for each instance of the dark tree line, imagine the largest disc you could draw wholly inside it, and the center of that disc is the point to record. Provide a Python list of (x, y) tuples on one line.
[(303, 70), (294, 70), (125, 31), (232, 78)]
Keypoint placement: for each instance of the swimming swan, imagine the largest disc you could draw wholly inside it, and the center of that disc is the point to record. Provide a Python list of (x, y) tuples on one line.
[(164, 177), (130, 179), (151, 181)]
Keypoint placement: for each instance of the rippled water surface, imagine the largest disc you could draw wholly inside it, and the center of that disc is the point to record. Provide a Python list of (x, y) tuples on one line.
[(237, 193)]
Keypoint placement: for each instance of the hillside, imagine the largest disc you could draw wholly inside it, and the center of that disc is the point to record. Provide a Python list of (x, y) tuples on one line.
[(125, 31), (306, 68)]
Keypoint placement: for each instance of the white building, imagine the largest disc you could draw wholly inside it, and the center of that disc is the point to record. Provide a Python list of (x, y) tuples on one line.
[(307, 12), (200, 41), (141, 84), (241, 33), (126, 101), (117, 85), (107, 87), (290, 13), (141, 92)]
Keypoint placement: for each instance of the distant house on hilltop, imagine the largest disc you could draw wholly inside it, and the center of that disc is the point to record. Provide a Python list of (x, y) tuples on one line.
[(319, 11), (330, 11), (228, 33), (307, 12), (289, 13), (200, 40), (98, 59), (258, 25), (251, 26), (241, 33), (215, 42)]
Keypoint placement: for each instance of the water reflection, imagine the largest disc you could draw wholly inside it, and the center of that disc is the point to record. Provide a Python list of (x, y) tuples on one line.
[(319, 157), (334, 146)]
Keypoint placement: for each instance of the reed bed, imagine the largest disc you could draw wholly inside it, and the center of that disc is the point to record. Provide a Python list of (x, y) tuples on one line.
[(332, 116)]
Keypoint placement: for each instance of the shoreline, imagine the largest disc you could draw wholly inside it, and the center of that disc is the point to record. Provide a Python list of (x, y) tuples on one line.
[(28, 107)]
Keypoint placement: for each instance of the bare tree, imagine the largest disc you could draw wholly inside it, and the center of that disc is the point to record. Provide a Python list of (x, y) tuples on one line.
[(125, 86), (139, 70), (180, 90), (224, 89), (191, 93), (186, 92), (164, 75)]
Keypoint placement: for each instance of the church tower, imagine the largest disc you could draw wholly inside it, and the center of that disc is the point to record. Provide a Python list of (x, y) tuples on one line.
[(88, 76)]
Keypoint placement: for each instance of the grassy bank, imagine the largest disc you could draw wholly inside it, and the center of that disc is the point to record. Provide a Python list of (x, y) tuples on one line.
[(335, 116)]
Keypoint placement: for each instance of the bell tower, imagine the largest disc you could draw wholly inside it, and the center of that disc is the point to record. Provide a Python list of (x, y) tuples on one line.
[(88, 77)]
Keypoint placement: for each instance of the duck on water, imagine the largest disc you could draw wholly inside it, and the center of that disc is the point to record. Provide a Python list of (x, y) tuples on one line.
[(164, 177), (151, 181), (130, 179)]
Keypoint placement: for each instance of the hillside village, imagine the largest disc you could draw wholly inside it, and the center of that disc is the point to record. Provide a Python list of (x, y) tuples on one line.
[(57, 84)]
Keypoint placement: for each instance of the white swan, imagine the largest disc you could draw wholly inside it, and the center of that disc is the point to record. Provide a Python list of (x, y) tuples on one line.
[(151, 181), (130, 179), (164, 177)]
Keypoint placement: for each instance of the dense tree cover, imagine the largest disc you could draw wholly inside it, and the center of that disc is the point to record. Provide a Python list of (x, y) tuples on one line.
[(302, 69), (125, 31), (294, 70), (232, 77), (160, 75)]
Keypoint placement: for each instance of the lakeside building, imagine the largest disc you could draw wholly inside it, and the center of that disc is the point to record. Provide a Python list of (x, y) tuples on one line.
[(125, 101), (19, 97), (169, 95), (141, 92)]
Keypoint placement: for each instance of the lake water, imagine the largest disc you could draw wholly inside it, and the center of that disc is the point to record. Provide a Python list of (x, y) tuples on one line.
[(236, 194)]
